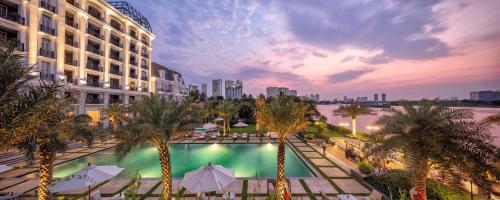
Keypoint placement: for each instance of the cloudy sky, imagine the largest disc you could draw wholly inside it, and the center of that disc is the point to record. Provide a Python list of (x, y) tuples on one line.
[(408, 49)]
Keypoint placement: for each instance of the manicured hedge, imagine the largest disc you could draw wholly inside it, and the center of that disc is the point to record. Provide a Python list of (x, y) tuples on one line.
[(397, 185)]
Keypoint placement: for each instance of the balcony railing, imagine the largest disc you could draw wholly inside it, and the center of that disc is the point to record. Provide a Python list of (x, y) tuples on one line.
[(115, 86), (134, 50), (117, 58), (115, 72), (94, 101), (46, 53), (95, 14), (47, 6), (132, 89), (73, 2), (145, 66), (116, 43), (48, 29), (94, 67), (145, 54), (72, 81), (133, 62), (118, 101), (71, 43), (95, 33), (71, 23), (47, 76), (133, 75), (144, 78), (71, 62), (145, 42), (94, 84), (15, 18), (133, 35), (95, 50), (144, 90)]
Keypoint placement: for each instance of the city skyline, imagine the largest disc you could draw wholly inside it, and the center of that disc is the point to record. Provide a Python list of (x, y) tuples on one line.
[(411, 51)]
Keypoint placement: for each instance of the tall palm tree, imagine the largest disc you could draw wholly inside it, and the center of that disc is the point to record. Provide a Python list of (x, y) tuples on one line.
[(352, 110), (284, 116), (116, 114), (208, 110), (259, 105), (157, 121), (431, 135), (226, 109)]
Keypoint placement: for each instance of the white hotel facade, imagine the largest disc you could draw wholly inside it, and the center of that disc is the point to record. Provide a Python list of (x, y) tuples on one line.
[(101, 50)]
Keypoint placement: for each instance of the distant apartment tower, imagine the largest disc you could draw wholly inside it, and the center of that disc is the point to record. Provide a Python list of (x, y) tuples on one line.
[(345, 99), (217, 87), (204, 89), (375, 97), (277, 91), (383, 97), (485, 95), (193, 88), (234, 89), (293, 93), (361, 99)]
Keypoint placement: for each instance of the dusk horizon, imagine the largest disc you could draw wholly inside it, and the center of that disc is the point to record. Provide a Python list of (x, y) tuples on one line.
[(411, 50)]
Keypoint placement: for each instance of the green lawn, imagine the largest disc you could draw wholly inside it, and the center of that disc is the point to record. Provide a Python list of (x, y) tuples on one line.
[(327, 131), (250, 129)]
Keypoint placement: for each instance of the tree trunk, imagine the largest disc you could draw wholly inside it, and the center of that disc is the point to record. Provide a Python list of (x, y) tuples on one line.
[(224, 126), (420, 169), (46, 161), (280, 180), (354, 126), (166, 173)]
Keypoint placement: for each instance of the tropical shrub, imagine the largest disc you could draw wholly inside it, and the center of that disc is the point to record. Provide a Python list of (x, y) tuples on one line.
[(309, 136), (365, 167)]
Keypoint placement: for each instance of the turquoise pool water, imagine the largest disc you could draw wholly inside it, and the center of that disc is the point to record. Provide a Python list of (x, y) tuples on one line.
[(246, 160)]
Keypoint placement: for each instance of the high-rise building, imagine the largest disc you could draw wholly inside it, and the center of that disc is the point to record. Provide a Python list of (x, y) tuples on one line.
[(234, 89), (193, 88), (204, 89), (277, 91), (168, 82), (375, 97), (362, 99), (345, 99), (293, 93), (383, 97), (485, 95), (100, 50), (217, 88)]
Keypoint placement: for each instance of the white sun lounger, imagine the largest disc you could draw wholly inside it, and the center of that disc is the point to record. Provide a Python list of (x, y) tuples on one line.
[(235, 136), (244, 135), (273, 135), (201, 136), (213, 136)]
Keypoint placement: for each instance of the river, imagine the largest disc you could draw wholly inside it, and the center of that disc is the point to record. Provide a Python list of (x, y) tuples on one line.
[(366, 120)]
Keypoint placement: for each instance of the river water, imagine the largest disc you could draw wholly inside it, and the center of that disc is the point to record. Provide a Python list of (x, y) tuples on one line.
[(366, 120)]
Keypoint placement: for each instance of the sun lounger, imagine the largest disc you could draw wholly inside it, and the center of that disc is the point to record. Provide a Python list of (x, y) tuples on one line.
[(213, 136), (235, 135), (346, 197), (244, 136), (201, 136)]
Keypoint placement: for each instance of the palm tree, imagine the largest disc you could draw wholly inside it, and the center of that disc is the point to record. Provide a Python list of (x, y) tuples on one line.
[(352, 110), (432, 135), (226, 109), (208, 110), (157, 121), (53, 138), (116, 114), (284, 116), (259, 105)]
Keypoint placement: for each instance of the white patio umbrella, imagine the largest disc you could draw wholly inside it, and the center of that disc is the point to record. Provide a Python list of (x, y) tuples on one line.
[(4, 168), (240, 124), (218, 119), (208, 179), (88, 176), (209, 126)]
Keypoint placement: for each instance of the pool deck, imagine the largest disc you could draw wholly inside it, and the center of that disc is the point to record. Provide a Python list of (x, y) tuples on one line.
[(332, 176)]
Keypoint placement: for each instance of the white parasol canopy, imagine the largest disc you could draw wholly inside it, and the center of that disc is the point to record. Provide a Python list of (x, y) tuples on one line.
[(209, 126), (4, 168), (240, 124), (86, 177), (208, 179)]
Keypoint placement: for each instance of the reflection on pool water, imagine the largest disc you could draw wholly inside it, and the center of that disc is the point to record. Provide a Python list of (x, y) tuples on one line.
[(246, 160)]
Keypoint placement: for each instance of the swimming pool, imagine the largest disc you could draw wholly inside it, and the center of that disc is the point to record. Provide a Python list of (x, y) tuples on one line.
[(247, 160)]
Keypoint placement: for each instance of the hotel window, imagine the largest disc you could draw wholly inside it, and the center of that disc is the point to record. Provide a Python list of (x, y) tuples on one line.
[(45, 44), (3, 11), (46, 21)]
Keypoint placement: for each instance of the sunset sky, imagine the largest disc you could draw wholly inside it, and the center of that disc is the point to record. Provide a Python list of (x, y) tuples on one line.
[(407, 49)]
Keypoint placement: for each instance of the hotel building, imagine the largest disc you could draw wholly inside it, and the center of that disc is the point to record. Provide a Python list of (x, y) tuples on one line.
[(101, 50), (168, 82)]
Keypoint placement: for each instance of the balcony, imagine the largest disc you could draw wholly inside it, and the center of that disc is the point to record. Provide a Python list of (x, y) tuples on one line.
[(133, 49), (116, 43), (72, 81), (46, 53), (20, 46), (94, 84), (71, 23), (47, 6), (144, 90), (145, 66), (115, 86), (94, 101), (133, 89), (74, 3), (95, 50), (117, 58), (133, 35), (14, 17), (145, 54), (133, 62), (144, 41), (144, 78), (71, 43), (95, 14), (94, 67), (72, 62), (133, 76), (47, 76), (47, 29), (95, 33), (115, 72), (117, 101)]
